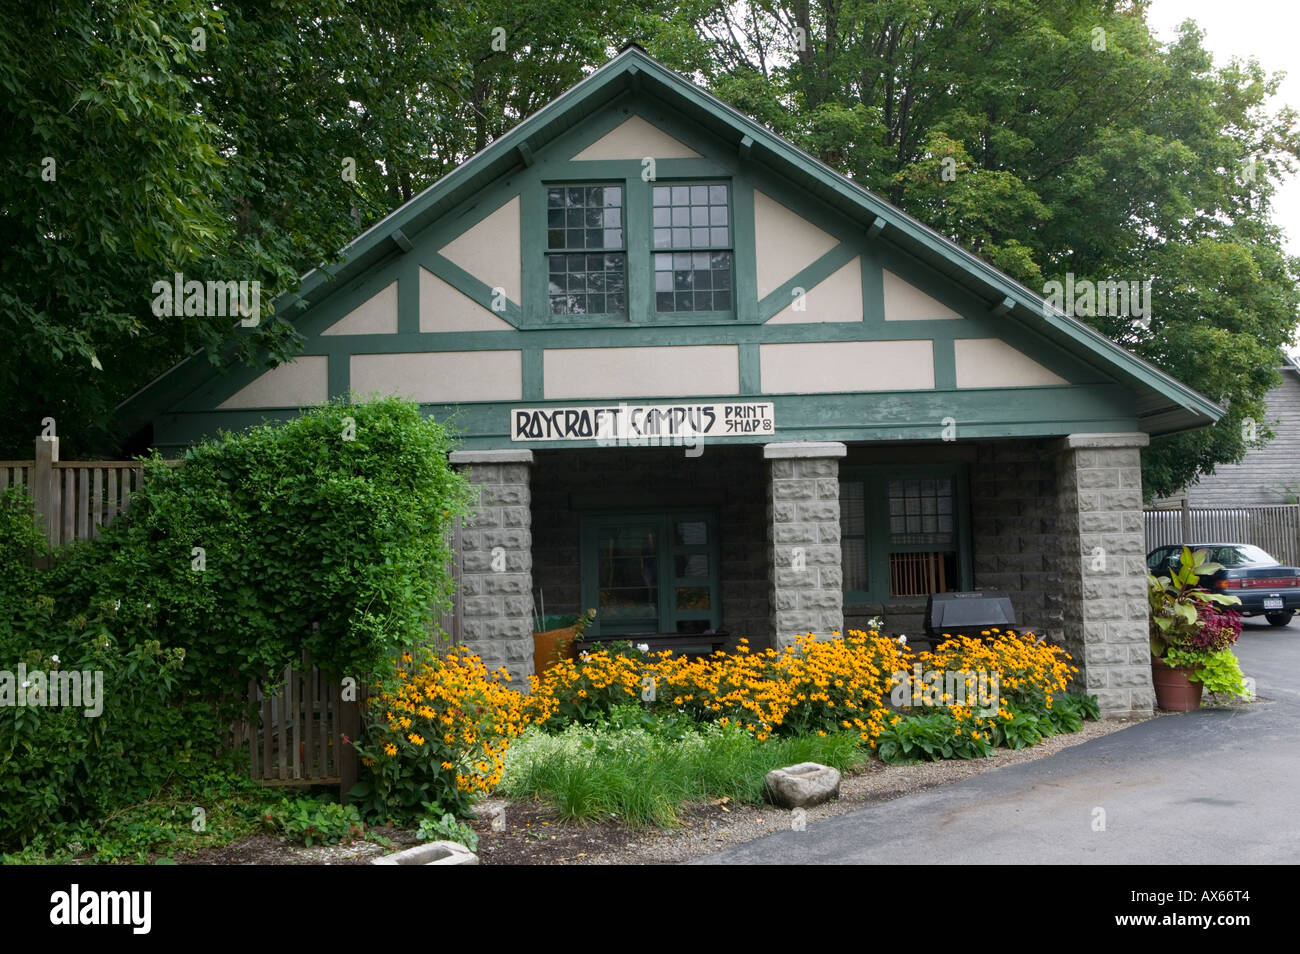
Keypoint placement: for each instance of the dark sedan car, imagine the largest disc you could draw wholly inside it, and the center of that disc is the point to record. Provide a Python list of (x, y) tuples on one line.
[(1264, 586)]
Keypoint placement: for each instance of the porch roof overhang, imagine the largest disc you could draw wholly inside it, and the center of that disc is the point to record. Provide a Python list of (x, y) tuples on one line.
[(1163, 405)]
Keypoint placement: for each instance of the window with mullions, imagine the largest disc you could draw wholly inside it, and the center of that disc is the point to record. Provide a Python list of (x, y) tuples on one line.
[(901, 535), (585, 250), (651, 572), (692, 248)]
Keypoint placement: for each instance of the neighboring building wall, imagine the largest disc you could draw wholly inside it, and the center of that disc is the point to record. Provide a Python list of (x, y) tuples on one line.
[(496, 609), (729, 479), (1258, 479)]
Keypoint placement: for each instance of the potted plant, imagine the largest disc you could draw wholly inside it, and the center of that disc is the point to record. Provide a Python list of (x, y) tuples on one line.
[(555, 642), (1191, 637)]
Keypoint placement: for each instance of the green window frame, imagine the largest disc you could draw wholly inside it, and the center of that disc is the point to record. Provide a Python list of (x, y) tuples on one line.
[(693, 248), (717, 265), (879, 544), (623, 551), (586, 250)]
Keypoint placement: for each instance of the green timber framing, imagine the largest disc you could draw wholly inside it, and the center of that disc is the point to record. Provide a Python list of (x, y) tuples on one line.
[(1091, 407), (1109, 390)]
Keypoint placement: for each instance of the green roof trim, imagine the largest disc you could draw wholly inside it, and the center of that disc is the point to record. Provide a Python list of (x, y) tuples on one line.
[(1164, 405)]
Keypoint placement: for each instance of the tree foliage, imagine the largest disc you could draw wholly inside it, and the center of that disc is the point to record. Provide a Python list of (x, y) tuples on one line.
[(1047, 138)]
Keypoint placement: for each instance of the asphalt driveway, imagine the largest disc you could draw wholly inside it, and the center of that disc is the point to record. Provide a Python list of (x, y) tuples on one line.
[(1213, 786)]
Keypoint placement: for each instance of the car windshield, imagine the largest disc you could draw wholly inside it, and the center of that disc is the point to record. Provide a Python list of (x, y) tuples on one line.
[(1241, 554)]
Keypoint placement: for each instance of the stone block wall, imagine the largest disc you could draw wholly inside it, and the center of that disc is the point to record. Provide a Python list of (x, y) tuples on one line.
[(803, 521), (496, 560), (1015, 534), (1104, 569)]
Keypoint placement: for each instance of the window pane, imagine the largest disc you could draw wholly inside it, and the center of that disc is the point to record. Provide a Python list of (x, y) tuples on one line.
[(695, 598), (853, 558), (694, 566), (853, 516), (920, 512), (588, 284)]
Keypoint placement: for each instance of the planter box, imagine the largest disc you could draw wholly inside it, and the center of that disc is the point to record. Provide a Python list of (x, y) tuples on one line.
[(431, 853), (1174, 691), (552, 646)]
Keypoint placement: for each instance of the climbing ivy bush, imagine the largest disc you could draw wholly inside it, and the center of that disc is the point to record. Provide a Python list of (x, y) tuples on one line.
[(328, 533)]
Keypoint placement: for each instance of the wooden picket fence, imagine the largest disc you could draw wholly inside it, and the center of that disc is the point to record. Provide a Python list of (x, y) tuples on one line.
[(302, 732), (1275, 528), (73, 498)]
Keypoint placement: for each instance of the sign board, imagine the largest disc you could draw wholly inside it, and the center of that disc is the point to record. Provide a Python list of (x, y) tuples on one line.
[(640, 424)]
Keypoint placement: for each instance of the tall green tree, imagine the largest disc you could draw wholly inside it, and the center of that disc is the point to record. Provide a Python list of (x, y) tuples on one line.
[(1052, 139)]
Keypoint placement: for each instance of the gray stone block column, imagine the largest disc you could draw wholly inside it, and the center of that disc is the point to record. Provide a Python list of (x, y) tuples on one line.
[(496, 582), (803, 535), (1103, 569)]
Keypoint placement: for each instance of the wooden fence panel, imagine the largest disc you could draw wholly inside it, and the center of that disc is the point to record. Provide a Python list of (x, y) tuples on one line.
[(1275, 528), (297, 739)]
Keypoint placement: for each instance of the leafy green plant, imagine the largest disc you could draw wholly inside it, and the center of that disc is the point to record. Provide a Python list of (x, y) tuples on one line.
[(435, 827), (315, 821), (929, 738), (1219, 672), (325, 533), (1178, 602)]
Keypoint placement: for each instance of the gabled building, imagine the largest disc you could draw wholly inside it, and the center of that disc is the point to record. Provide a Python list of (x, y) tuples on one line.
[(707, 384), (1267, 475)]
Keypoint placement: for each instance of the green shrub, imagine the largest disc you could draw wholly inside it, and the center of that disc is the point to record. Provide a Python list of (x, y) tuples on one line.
[(443, 826), (315, 821), (327, 533)]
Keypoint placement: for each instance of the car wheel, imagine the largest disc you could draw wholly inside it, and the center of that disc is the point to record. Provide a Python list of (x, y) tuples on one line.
[(1279, 619)]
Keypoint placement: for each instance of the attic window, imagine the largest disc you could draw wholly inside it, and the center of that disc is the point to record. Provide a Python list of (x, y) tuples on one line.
[(586, 251), (693, 250)]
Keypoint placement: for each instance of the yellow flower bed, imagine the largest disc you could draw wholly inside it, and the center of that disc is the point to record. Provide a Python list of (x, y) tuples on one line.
[(438, 734), (1025, 667), (816, 685)]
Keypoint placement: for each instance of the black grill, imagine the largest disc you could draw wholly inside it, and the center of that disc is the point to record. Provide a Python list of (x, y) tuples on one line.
[(967, 614)]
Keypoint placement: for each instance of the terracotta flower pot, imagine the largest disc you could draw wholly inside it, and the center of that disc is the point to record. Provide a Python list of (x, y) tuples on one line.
[(552, 646), (1175, 692)]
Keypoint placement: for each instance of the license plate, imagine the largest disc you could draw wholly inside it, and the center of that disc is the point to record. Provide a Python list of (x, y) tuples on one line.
[(1275, 603)]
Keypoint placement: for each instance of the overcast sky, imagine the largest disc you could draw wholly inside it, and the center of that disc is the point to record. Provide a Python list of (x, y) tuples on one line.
[(1268, 30)]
